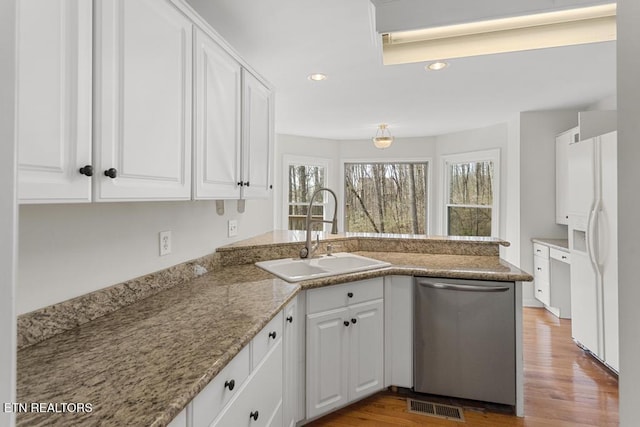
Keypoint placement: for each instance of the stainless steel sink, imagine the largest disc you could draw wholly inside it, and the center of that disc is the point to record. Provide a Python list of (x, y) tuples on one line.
[(296, 269)]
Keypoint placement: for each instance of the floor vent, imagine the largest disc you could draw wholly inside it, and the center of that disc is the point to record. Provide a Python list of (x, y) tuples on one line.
[(447, 412)]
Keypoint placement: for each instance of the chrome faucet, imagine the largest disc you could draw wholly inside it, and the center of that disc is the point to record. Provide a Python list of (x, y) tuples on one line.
[(309, 248)]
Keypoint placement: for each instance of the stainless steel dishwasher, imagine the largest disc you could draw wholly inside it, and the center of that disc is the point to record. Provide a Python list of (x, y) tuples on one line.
[(464, 339)]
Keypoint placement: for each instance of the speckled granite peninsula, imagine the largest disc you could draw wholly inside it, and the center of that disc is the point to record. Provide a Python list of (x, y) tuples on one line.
[(141, 359)]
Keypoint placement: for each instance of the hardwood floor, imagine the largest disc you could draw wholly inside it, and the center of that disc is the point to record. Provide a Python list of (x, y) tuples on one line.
[(563, 386)]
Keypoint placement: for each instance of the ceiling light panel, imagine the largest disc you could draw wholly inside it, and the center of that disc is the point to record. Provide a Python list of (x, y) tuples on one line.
[(564, 28)]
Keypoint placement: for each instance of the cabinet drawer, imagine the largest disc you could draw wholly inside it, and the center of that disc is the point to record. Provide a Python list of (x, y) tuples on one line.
[(543, 291), (266, 339), (561, 256), (208, 403), (541, 250), (259, 402), (541, 268), (336, 296)]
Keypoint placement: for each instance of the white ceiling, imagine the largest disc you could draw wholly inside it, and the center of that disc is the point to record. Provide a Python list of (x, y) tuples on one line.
[(286, 40)]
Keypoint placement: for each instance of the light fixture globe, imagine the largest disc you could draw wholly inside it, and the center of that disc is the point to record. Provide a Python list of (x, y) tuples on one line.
[(383, 138)]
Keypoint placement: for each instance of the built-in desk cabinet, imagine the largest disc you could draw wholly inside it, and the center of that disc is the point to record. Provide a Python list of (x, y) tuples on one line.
[(552, 285)]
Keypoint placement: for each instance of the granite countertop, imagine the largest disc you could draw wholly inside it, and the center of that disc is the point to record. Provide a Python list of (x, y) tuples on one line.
[(560, 244), (142, 364)]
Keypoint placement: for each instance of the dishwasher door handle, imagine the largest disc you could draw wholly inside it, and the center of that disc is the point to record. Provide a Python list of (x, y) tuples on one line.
[(464, 288)]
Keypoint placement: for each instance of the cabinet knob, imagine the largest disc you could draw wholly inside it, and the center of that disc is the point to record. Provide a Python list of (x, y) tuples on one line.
[(346, 323), (539, 269), (272, 335), (270, 187), (354, 321), (290, 319), (111, 173), (564, 257), (566, 217), (230, 384), (246, 184), (539, 290), (254, 415), (240, 183), (86, 170), (350, 294)]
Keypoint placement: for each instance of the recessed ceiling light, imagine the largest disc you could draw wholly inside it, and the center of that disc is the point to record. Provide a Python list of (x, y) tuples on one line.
[(316, 77), (436, 66)]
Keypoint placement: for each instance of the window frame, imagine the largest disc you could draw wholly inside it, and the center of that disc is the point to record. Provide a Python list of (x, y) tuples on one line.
[(429, 186), (289, 160), (492, 155)]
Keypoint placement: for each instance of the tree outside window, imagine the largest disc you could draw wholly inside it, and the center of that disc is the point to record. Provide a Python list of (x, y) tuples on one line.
[(470, 198), (386, 197), (303, 181)]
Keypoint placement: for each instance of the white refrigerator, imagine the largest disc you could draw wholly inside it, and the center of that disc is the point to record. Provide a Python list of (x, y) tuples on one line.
[(593, 243)]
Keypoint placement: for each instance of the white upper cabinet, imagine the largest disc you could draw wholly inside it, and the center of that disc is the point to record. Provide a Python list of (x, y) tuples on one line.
[(233, 125), (217, 121), (143, 101), (110, 108), (562, 178), (54, 100), (257, 131)]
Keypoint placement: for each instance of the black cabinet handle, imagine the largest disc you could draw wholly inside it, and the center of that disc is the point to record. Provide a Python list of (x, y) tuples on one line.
[(346, 323), (240, 184), (350, 294), (272, 335), (246, 183), (86, 170), (270, 187), (539, 269), (290, 319), (230, 384), (254, 415), (111, 173), (354, 321)]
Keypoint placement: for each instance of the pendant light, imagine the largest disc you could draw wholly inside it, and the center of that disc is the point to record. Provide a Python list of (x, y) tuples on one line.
[(383, 138)]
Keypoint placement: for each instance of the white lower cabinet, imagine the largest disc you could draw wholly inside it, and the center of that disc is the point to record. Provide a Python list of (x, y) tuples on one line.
[(259, 402), (345, 344), (293, 356), (248, 391), (398, 331)]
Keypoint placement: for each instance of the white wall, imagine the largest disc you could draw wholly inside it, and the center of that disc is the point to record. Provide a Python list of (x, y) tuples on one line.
[(629, 200), (8, 214), (538, 130), (69, 250)]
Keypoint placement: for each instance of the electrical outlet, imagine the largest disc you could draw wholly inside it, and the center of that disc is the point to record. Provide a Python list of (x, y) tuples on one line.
[(165, 242), (232, 228)]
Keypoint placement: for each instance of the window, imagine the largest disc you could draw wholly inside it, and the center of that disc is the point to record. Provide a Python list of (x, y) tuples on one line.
[(471, 196), (386, 197), (304, 179)]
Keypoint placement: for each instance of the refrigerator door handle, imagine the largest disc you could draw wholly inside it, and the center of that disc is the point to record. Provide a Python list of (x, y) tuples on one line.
[(592, 229)]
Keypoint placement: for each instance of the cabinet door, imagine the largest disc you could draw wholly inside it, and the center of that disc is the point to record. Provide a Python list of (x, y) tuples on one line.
[(54, 100), (292, 324), (366, 349), (327, 361), (541, 276), (562, 178), (398, 330), (143, 101), (217, 121), (256, 138)]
